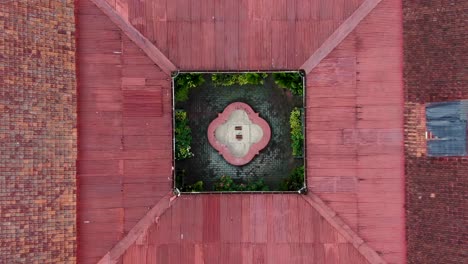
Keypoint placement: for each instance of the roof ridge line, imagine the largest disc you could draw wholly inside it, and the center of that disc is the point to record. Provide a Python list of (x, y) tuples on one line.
[(345, 230), (139, 230), (139, 39), (339, 34)]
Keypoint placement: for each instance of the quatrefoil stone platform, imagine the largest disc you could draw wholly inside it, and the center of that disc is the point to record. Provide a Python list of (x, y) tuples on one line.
[(238, 133)]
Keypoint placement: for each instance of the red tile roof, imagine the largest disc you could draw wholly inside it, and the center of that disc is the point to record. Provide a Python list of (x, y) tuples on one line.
[(242, 229), (355, 131), (37, 132), (236, 35), (354, 125), (124, 160)]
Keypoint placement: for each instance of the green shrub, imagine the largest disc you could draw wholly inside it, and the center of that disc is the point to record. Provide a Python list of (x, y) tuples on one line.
[(181, 176), (297, 135), (184, 82), (289, 80), (253, 185), (251, 78), (295, 180), (224, 79), (183, 136), (196, 187), (229, 79), (227, 184)]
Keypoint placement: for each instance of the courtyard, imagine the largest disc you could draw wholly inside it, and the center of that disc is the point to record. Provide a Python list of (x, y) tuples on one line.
[(265, 94)]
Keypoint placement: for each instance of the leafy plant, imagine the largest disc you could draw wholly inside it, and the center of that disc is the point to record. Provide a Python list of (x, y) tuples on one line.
[(184, 82), (180, 178), (297, 135), (227, 184), (196, 187), (289, 80), (224, 79), (253, 185), (229, 79), (183, 136), (252, 78), (181, 175), (295, 180)]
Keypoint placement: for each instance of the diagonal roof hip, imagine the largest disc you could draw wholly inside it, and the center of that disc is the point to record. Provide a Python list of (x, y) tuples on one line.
[(141, 41), (339, 35)]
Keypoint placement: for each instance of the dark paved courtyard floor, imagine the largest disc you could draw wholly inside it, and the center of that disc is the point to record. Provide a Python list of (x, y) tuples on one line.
[(273, 164)]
